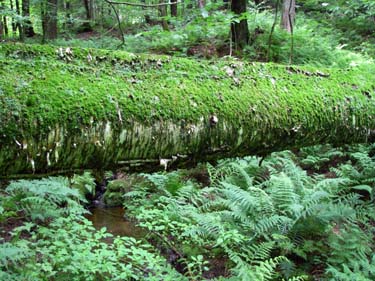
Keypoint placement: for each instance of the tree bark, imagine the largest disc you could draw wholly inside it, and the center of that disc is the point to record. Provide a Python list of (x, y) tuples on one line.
[(174, 9), (1, 21), (65, 109), (14, 24), (28, 29), (49, 19), (88, 4), (18, 24), (6, 30), (163, 14), (239, 30), (67, 24), (288, 15)]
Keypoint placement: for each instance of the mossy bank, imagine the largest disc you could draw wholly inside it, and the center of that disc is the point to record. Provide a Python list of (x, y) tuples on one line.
[(72, 108)]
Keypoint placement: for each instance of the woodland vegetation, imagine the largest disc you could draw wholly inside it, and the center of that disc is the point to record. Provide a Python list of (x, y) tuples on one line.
[(237, 137)]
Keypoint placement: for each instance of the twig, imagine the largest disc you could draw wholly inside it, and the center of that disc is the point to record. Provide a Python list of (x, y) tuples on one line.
[(291, 33), (118, 21), (142, 5), (272, 30)]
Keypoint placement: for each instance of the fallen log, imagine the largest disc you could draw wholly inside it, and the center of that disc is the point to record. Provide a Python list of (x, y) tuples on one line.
[(63, 109)]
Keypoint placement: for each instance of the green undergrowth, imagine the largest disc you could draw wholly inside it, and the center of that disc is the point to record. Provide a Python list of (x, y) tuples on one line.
[(269, 219), (42, 87), (329, 37), (45, 236), (301, 215)]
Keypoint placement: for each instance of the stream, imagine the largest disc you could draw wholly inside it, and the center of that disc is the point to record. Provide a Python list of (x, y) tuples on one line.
[(113, 219)]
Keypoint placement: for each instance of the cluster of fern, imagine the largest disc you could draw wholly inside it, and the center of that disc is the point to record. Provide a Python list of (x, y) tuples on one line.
[(307, 215), (274, 221), (45, 236)]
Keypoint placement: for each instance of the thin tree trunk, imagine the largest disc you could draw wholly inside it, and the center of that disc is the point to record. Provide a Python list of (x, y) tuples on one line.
[(239, 30), (174, 11), (163, 14), (18, 24), (28, 29), (201, 4), (88, 8), (288, 15), (92, 10), (73, 119), (49, 19), (1, 20), (68, 11), (6, 30), (14, 24)]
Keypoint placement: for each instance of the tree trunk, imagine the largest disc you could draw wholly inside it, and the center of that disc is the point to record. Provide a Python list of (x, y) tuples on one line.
[(5, 24), (28, 29), (14, 24), (89, 15), (174, 9), (67, 23), (79, 109), (288, 15), (18, 24), (239, 30), (49, 19), (1, 21), (163, 14)]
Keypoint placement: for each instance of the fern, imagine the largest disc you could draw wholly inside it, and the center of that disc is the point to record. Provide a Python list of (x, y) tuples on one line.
[(258, 217), (11, 254), (84, 183), (45, 198)]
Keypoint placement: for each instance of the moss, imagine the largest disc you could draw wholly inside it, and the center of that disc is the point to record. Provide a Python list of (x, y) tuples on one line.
[(120, 185), (113, 199), (91, 106)]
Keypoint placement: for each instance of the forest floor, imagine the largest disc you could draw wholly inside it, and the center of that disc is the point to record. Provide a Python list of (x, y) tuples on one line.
[(307, 215)]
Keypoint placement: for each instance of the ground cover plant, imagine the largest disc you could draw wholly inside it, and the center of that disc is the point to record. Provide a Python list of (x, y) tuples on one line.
[(274, 221), (301, 215), (46, 237)]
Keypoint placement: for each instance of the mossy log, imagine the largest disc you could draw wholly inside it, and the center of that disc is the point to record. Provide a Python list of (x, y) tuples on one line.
[(67, 109)]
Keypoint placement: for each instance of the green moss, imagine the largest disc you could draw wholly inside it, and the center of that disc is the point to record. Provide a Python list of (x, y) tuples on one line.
[(48, 93), (113, 199), (121, 185)]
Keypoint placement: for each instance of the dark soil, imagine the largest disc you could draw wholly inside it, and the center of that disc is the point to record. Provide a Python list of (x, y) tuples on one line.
[(7, 226)]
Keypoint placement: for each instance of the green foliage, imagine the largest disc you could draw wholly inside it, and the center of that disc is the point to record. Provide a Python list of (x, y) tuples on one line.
[(85, 183), (70, 248), (260, 219), (270, 222), (44, 199), (352, 21), (313, 43), (65, 246)]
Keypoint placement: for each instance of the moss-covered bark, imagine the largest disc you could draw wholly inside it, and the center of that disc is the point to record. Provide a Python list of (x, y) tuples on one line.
[(63, 109)]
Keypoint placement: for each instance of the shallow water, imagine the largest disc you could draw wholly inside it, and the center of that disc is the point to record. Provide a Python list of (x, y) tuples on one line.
[(113, 219)]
